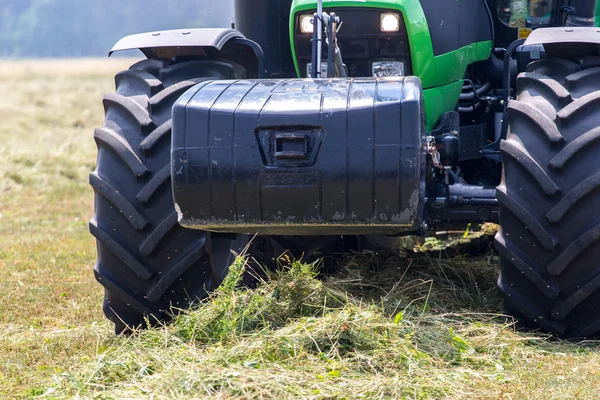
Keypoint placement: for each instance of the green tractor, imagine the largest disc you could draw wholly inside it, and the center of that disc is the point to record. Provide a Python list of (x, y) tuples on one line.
[(328, 124)]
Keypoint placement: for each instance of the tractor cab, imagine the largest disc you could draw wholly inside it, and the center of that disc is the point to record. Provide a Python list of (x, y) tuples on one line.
[(526, 13)]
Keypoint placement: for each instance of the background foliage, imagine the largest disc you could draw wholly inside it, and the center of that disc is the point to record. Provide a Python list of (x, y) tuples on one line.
[(82, 28)]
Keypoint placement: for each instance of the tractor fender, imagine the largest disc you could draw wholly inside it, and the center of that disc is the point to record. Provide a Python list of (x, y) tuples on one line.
[(228, 44), (562, 41)]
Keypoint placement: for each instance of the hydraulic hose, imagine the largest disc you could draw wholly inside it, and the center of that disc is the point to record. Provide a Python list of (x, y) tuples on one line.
[(476, 94)]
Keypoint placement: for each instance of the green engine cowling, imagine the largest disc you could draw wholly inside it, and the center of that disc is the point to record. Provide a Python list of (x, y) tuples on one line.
[(439, 55)]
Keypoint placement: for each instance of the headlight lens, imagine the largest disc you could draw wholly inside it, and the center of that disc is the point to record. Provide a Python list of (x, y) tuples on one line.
[(323, 69), (390, 22), (306, 23), (382, 69)]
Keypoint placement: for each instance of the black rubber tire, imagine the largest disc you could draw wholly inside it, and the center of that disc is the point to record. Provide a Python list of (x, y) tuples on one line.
[(550, 200), (146, 262)]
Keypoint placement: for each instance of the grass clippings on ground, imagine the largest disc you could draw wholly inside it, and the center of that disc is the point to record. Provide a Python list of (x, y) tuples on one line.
[(386, 325)]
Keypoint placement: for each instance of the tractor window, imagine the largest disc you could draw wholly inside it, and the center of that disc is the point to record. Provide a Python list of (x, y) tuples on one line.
[(525, 13)]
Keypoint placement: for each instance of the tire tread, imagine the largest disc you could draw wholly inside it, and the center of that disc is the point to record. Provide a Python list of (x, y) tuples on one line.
[(555, 286), (142, 270)]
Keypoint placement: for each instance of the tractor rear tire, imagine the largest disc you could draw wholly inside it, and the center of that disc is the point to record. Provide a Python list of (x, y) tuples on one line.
[(549, 241), (146, 262)]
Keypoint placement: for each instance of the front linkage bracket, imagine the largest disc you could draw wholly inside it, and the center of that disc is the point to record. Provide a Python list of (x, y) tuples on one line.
[(335, 64)]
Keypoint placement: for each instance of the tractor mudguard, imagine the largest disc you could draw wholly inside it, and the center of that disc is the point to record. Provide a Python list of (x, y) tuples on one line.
[(228, 44), (300, 156), (562, 35)]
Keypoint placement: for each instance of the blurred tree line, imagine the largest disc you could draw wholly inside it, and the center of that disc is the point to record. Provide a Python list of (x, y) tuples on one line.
[(80, 28)]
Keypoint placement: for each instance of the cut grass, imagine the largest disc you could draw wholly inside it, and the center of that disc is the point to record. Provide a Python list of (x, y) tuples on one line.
[(49, 315), (297, 336), (386, 325)]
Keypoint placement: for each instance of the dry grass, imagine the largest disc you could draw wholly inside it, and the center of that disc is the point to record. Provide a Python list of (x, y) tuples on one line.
[(385, 326), (49, 315)]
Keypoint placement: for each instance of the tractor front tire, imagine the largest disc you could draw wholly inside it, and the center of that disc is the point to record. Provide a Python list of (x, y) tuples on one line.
[(146, 262), (549, 241)]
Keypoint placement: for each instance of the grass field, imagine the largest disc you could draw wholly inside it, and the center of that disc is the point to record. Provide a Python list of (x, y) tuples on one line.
[(386, 326)]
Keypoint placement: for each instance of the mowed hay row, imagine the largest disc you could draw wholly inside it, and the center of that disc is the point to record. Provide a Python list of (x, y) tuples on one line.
[(71, 68), (47, 115), (50, 316)]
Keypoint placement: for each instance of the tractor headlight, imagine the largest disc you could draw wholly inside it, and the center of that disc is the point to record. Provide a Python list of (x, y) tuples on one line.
[(390, 22), (306, 23), (382, 69)]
